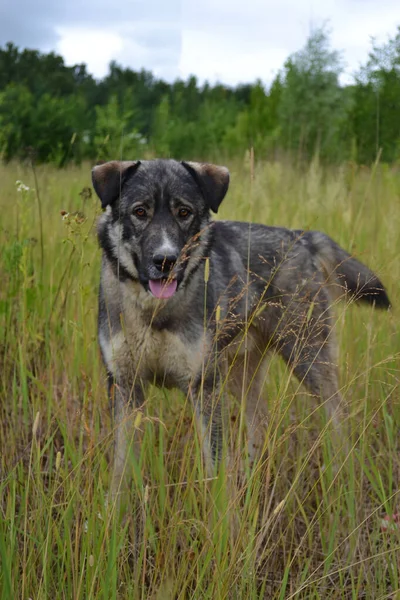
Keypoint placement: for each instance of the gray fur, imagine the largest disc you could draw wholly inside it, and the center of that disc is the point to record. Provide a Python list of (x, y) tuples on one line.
[(268, 288)]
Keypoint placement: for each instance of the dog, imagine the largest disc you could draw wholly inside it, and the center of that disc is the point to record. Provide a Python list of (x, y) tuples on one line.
[(197, 304)]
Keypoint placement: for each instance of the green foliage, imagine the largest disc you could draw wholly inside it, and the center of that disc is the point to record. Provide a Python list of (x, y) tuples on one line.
[(162, 127), (16, 108), (115, 136), (46, 126), (376, 110), (257, 125), (313, 108), (61, 114)]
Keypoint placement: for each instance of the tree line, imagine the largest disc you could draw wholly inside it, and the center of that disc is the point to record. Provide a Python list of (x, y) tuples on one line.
[(60, 114)]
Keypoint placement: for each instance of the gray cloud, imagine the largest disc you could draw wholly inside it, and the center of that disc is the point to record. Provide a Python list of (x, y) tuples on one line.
[(230, 40), (149, 29), (29, 24)]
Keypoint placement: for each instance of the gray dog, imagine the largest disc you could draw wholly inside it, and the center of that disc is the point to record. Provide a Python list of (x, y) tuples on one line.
[(196, 304)]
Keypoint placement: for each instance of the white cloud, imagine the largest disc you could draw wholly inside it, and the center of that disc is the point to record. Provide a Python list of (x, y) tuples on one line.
[(215, 58), (227, 40), (95, 48), (138, 45)]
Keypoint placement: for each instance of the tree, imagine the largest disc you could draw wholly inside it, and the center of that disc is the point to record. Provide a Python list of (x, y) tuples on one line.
[(64, 114), (256, 125), (115, 136), (160, 138), (376, 113), (45, 126), (16, 113), (313, 109)]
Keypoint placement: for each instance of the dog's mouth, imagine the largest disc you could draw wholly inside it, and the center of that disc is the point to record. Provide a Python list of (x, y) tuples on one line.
[(163, 288)]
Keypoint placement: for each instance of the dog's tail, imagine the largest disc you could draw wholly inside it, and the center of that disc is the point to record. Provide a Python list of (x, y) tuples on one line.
[(346, 275)]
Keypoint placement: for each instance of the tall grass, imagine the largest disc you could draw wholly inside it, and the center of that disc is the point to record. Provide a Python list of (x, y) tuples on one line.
[(304, 528)]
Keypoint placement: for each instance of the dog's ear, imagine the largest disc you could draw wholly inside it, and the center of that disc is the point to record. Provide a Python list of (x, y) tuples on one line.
[(212, 180), (109, 178)]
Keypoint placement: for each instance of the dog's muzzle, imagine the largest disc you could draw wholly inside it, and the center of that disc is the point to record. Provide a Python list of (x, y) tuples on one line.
[(163, 282)]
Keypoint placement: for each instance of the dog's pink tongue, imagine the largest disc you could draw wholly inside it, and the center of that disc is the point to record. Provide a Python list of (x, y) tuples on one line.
[(161, 288)]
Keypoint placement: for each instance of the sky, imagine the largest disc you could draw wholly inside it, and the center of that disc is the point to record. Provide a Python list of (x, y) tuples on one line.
[(231, 41)]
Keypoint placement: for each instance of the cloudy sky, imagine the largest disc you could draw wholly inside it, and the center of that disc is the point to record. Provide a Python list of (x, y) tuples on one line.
[(227, 40)]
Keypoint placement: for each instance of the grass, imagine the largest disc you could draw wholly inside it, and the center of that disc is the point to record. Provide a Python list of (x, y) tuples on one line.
[(306, 530)]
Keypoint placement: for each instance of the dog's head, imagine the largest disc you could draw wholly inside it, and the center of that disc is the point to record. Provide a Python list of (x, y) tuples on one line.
[(156, 218)]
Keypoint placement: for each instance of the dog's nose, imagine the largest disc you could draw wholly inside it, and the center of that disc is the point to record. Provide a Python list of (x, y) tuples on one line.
[(164, 262)]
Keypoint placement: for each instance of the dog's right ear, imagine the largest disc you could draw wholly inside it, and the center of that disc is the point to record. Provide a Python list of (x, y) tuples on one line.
[(109, 178)]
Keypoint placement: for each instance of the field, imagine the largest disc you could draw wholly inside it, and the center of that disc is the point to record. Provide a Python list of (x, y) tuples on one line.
[(306, 526)]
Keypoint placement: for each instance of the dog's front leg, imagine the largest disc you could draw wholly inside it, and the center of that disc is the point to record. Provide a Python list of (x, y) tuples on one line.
[(126, 400), (209, 415), (211, 420)]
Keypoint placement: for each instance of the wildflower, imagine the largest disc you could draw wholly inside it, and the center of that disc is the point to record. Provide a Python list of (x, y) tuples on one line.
[(391, 523), (21, 187), (79, 217), (86, 193)]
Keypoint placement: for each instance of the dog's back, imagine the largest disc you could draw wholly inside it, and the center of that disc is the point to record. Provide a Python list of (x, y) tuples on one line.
[(258, 262)]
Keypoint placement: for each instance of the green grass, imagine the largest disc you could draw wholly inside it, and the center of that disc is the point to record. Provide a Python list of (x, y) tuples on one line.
[(304, 529)]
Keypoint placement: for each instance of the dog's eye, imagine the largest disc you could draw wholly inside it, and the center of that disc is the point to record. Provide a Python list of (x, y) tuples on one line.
[(183, 212), (140, 212)]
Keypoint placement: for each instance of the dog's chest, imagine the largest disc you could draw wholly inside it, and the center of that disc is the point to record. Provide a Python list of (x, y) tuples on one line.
[(161, 355)]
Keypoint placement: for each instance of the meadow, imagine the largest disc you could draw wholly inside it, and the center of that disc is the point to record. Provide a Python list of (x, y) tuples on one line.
[(308, 528)]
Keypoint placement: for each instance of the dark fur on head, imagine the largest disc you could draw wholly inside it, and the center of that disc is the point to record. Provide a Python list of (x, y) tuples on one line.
[(161, 188)]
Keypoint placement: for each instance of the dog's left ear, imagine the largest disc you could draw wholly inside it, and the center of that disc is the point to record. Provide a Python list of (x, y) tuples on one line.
[(109, 178), (212, 180)]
